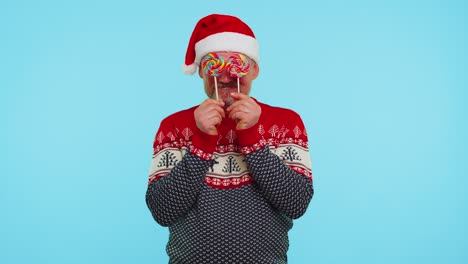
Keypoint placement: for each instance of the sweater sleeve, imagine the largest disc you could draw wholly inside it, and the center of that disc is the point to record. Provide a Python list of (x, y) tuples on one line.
[(172, 196), (280, 166), (287, 190), (176, 173)]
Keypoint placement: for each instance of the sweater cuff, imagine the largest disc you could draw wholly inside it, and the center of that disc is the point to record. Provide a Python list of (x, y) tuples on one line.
[(203, 145), (250, 139)]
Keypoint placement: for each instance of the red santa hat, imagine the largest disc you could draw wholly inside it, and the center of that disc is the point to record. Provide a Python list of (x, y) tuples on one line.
[(219, 33)]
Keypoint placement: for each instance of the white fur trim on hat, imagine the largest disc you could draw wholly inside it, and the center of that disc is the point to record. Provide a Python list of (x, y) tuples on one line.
[(227, 41)]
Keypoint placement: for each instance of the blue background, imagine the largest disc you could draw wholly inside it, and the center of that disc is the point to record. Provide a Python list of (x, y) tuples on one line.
[(381, 87)]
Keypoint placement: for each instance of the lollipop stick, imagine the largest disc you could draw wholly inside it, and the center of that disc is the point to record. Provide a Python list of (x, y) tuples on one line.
[(216, 88), (238, 85)]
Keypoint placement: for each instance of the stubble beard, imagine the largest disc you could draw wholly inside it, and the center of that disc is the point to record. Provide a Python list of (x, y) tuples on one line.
[(225, 95)]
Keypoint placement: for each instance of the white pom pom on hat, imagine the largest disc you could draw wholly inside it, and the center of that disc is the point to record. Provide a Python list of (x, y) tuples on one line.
[(217, 32)]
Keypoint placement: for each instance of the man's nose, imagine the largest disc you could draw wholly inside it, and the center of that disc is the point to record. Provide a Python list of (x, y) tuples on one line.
[(225, 77)]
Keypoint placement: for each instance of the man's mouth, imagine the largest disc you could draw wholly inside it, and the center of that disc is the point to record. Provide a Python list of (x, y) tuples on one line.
[(224, 92), (227, 85)]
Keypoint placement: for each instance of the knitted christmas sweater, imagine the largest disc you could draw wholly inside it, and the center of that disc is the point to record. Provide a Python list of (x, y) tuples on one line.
[(230, 198)]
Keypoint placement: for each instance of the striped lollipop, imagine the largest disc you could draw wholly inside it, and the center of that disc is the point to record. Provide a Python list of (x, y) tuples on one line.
[(238, 66), (213, 65)]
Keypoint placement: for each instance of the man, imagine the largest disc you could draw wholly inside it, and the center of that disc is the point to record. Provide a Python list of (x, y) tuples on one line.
[(228, 176)]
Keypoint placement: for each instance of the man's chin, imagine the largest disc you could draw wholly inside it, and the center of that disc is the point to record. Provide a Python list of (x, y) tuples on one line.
[(225, 95), (228, 101)]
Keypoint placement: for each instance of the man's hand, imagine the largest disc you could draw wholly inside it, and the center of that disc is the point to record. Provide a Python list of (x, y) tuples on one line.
[(208, 115), (245, 111)]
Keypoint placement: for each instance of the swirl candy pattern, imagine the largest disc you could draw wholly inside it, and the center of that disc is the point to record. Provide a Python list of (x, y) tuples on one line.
[(238, 65), (213, 64)]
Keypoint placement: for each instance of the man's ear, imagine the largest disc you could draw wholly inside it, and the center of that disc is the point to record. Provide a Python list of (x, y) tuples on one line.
[(200, 73), (256, 71)]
